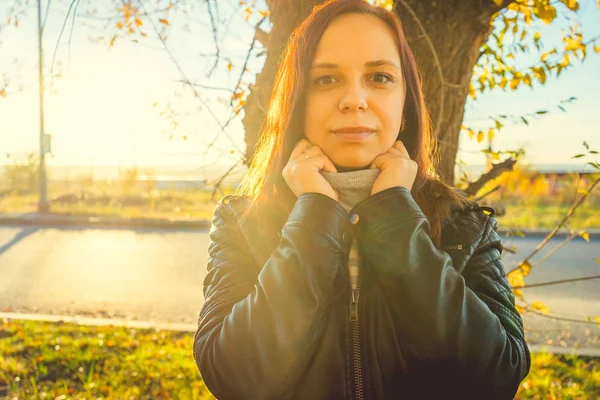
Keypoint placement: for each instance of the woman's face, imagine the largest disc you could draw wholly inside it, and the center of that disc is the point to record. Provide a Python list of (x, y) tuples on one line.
[(355, 84)]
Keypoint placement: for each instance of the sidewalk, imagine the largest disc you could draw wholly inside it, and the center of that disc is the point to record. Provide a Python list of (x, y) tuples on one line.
[(51, 219)]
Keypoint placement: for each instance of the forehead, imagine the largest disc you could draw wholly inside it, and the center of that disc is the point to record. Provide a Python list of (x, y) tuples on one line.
[(356, 38)]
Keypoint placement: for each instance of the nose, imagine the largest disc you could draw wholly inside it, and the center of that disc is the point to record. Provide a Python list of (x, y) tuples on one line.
[(354, 98)]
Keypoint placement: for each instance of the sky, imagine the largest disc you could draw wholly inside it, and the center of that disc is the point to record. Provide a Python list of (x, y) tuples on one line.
[(110, 105)]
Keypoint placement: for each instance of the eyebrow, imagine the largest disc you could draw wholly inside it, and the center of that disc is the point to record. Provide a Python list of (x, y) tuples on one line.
[(375, 63)]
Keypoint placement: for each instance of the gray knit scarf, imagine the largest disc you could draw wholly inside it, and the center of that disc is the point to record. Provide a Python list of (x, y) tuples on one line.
[(352, 187)]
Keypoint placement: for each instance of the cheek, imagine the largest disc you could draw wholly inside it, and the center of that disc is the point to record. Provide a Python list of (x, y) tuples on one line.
[(314, 120)]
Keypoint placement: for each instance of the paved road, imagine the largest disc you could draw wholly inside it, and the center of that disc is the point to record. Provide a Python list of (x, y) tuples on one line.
[(149, 274)]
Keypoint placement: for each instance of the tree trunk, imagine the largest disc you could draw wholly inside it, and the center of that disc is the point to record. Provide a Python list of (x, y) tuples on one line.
[(285, 16), (456, 30)]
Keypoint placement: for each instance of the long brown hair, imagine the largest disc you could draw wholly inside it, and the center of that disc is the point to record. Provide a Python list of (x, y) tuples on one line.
[(282, 128)]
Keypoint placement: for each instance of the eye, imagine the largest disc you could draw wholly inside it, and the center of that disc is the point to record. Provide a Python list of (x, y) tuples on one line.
[(386, 77), (324, 80)]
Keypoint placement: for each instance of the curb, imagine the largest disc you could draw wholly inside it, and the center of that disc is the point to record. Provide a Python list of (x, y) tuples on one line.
[(200, 224), (180, 327), (101, 222), (542, 233)]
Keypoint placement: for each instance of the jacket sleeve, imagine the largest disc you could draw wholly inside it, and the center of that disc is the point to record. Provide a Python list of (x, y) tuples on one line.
[(439, 313), (259, 323)]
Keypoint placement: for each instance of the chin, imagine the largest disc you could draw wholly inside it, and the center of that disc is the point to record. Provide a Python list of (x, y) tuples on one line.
[(351, 165)]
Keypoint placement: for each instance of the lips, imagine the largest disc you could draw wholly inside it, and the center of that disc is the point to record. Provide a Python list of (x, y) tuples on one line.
[(353, 133), (353, 129)]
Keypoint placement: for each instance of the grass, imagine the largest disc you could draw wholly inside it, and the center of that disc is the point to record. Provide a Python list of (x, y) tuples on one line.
[(199, 205), (67, 361), (548, 216), (50, 360)]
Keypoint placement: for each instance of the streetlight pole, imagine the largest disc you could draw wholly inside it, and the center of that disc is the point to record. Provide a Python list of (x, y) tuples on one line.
[(43, 205)]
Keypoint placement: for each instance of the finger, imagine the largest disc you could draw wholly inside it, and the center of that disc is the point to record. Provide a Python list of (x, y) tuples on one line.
[(380, 160), (323, 163), (394, 151), (301, 146), (400, 146), (311, 152)]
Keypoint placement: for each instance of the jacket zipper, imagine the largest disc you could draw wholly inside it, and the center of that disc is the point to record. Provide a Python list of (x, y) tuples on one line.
[(358, 381)]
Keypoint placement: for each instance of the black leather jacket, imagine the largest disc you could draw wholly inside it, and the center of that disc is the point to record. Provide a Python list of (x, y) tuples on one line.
[(431, 324)]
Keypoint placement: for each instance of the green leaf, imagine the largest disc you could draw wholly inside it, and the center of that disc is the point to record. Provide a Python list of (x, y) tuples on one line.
[(595, 165), (525, 121), (578, 156), (498, 124), (541, 112), (587, 146)]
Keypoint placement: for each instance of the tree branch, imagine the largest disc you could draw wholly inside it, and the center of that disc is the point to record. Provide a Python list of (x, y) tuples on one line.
[(214, 31), (555, 230), (496, 171), (187, 81), (560, 281)]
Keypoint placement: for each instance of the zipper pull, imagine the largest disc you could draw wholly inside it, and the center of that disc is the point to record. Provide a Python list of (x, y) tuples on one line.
[(354, 305)]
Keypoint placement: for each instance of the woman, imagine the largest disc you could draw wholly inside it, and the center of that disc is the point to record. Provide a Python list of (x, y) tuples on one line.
[(344, 268)]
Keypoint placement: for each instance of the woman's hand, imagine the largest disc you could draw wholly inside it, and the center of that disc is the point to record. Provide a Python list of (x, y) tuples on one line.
[(301, 173), (397, 169)]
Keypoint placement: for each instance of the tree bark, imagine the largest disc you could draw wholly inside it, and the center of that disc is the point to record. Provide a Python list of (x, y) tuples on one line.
[(456, 29), (285, 16)]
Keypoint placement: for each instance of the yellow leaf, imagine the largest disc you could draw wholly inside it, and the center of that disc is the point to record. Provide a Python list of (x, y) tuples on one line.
[(539, 306), (598, 260), (596, 48), (229, 66), (3, 93), (536, 36), (491, 134), (247, 13), (514, 83), (573, 44), (571, 4), (471, 134), (265, 13), (545, 12), (472, 91), (518, 293), (545, 55), (163, 21), (498, 124), (119, 24), (525, 268), (138, 22), (527, 80), (499, 2), (520, 309), (585, 236), (480, 136), (503, 82), (540, 74), (515, 279)]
